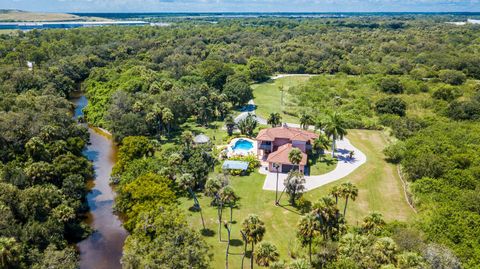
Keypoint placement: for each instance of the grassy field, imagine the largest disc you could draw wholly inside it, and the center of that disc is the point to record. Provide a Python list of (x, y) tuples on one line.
[(379, 190), (380, 187), (268, 94)]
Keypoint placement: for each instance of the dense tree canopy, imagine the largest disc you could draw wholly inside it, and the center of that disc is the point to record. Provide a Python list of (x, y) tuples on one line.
[(415, 76), (42, 179)]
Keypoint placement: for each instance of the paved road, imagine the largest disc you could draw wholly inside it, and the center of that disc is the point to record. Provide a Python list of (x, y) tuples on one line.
[(250, 109)]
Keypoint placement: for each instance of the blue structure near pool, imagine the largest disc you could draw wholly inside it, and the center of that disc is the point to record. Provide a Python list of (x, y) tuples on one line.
[(235, 165)]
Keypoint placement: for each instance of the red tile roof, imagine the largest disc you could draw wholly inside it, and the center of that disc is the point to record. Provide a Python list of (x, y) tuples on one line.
[(281, 155), (286, 132)]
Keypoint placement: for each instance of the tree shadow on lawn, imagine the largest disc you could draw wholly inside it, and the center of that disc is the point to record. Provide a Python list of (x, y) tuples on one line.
[(194, 208), (288, 207), (236, 242), (207, 232)]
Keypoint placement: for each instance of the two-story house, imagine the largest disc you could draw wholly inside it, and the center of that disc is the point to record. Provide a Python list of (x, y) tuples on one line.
[(275, 144)]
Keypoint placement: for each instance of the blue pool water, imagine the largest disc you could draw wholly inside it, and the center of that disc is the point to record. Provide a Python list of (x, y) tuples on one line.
[(242, 145)]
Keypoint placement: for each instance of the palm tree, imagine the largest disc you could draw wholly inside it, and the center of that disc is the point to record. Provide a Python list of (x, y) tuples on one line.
[(266, 253), (203, 110), (349, 191), (294, 185), (229, 233), (319, 124), (410, 260), (223, 105), (212, 187), (336, 192), (187, 138), (167, 118), (384, 250), (9, 251), (254, 230), (295, 156), (373, 223), (299, 264), (247, 125), (305, 121), (274, 119), (156, 117), (230, 124), (228, 197), (307, 228), (335, 127), (187, 182), (328, 214), (320, 144)]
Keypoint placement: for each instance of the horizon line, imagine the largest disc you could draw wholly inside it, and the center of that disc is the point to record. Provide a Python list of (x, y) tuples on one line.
[(265, 12), (250, 12)]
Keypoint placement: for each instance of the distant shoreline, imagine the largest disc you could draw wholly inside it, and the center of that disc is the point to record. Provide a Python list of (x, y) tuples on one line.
[(17, 16), (281, 14), (25, 26)]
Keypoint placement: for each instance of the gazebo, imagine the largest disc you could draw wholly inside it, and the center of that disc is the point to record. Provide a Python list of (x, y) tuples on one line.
[(201, 139)]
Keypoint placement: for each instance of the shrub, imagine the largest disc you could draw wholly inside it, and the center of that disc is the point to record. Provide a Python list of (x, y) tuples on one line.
[(452, 77), (391, 105), (447, 93), (391, 85), (464, 110), (408, 126), (394, 153)]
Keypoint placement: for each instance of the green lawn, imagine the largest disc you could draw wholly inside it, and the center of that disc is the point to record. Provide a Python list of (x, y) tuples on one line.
[(380, 187), (214, 131), (268, 94), (379, 190), (322, 164)]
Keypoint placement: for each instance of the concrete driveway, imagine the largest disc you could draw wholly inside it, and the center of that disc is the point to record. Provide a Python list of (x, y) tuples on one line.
[(345, 166)]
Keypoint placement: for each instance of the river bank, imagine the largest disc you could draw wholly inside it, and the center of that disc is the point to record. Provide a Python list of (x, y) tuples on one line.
[(103, 248)]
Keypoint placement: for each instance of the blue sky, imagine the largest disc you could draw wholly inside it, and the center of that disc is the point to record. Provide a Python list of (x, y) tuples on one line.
[(242, 5)]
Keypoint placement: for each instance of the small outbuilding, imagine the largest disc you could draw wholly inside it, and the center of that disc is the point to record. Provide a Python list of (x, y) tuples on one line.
[(201, 139), (235, 165)]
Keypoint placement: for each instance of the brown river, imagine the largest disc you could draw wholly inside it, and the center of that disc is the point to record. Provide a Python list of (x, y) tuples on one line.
[(103, 248)]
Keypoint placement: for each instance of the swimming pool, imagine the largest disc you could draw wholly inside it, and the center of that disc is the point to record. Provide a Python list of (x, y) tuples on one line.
[(242, 145)]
